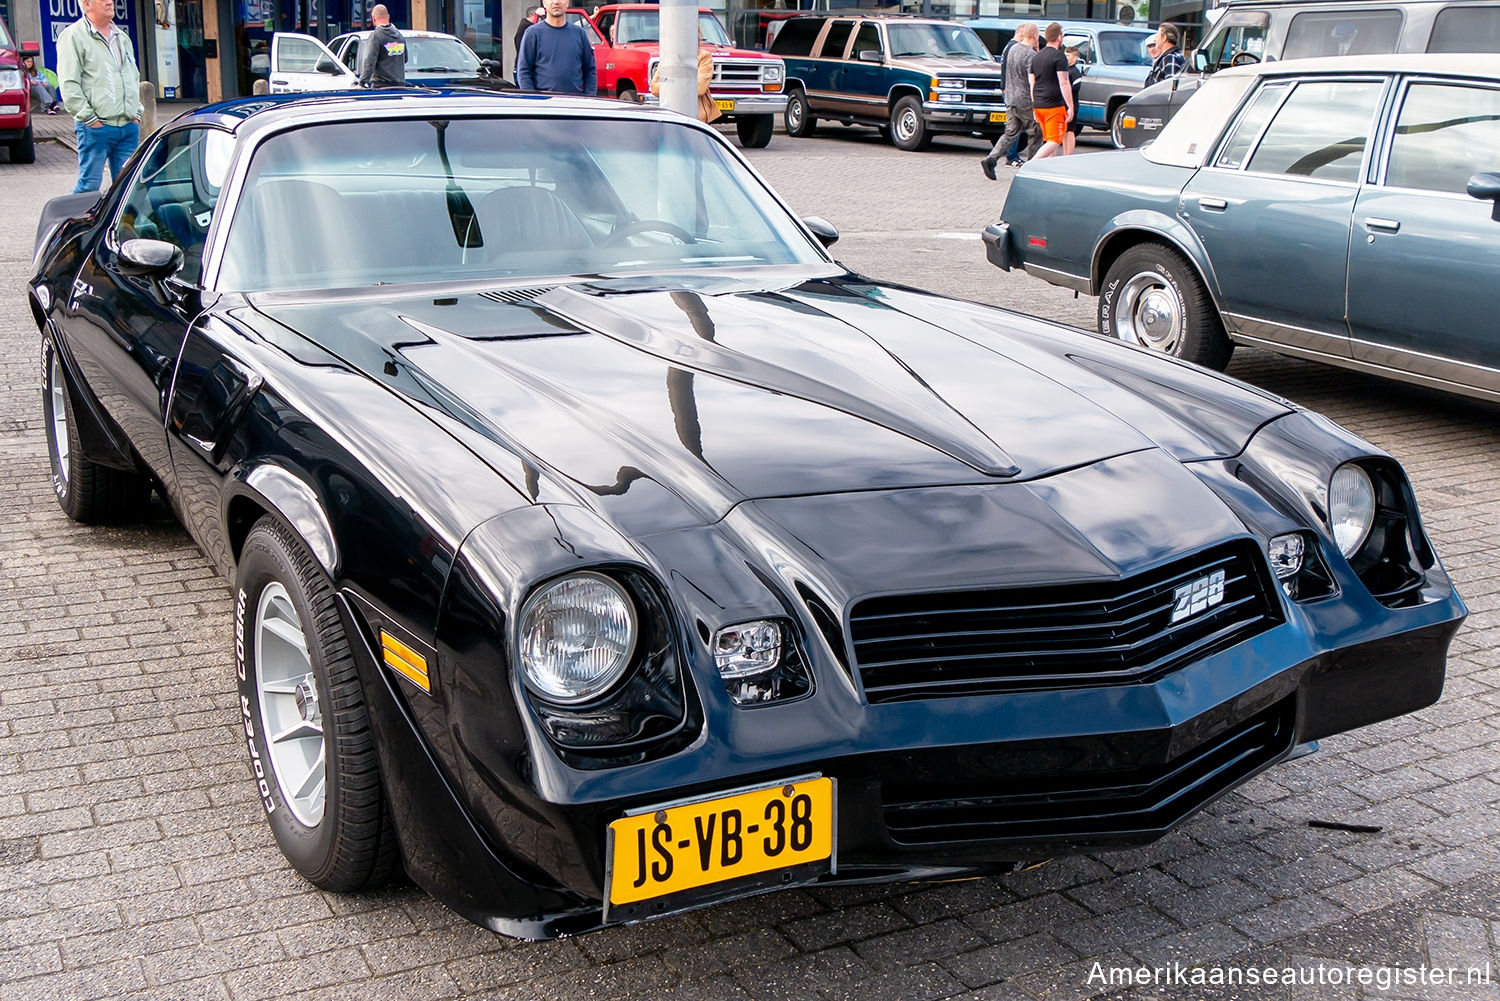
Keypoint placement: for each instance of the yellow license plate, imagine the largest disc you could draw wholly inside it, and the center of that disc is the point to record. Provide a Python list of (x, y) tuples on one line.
[(774, 832), (725, 105), (997, 116)]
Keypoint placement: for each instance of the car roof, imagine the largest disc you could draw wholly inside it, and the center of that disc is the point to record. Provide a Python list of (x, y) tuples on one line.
[(1076, 24), (1340, 3), (408, 32), (1478, 64), (253, 114)]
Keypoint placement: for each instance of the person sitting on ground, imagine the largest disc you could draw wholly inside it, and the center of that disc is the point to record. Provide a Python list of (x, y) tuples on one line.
[(42, 83)]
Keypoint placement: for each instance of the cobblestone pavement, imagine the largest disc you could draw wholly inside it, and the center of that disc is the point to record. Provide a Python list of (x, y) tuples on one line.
[(134, 861)]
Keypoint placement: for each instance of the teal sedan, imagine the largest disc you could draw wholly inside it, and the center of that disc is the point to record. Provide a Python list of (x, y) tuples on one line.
[(1344, 210)]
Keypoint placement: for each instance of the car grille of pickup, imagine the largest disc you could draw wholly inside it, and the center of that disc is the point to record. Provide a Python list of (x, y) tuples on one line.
[(729, 75), (960, 643), (984, 90), (1143, 800)]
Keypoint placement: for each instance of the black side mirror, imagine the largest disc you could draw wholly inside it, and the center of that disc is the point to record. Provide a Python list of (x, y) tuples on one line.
[(822, 229), (326, 65), (490, 67), (1486, 187), (156, 259), (870, 56)]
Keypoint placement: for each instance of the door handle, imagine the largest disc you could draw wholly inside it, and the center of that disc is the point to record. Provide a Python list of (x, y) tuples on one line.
[(1213, 204), (1383, 225)]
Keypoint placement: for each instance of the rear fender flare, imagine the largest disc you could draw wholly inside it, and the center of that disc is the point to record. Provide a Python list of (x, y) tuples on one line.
[(1150, 226)]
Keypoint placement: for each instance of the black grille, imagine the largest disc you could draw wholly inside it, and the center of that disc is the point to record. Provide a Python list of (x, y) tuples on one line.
[(976, 642), (517, 296), (1092, 807)]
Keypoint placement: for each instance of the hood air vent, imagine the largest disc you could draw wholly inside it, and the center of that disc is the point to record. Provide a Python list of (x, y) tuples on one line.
[(517, 296)]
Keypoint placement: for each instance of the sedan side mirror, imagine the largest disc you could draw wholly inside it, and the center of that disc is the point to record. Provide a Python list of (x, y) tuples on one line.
[(871, 56), (822, 229), (1486, 187)]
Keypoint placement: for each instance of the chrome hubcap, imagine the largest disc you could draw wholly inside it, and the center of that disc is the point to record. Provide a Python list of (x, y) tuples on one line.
[(289, 706), (57, 388), (794, 112), (906, 125), (1150, 314)]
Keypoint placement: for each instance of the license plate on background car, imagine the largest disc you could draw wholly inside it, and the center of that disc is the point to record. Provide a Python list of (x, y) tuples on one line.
[(725, 105), (690, 852), (997, 116)]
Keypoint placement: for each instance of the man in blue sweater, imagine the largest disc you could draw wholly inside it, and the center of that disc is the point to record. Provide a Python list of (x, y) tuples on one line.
[(556, 56)]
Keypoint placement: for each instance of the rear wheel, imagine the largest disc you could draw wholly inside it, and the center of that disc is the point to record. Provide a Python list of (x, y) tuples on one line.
[(304, 717), (755, 131), (86, 491), (629, 95), (23, 150), (908, 130), (800, 122), (1154, 298)]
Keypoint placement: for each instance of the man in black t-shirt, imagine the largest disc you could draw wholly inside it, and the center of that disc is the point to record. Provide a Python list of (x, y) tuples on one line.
[(1051, 92)]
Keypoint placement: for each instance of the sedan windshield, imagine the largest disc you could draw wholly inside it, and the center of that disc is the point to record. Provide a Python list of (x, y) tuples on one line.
[(935, 40), (645, 26), (439, 55), (354, 204)]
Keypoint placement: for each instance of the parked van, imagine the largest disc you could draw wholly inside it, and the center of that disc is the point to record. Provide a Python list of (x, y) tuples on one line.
[(1252, 31)]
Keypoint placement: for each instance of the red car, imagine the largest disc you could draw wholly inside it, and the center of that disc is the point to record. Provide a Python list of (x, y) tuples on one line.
[(747, 85), (15, 98)]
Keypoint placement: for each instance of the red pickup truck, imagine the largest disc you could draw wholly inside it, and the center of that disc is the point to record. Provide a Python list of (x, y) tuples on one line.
[(15, 98), (747, 85)]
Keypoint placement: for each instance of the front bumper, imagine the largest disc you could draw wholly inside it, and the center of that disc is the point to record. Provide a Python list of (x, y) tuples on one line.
[(926, 789), (744, 104), (943, 117)]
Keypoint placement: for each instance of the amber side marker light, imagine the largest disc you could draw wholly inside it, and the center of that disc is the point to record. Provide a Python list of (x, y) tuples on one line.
[(1128, 122), (405, 661)]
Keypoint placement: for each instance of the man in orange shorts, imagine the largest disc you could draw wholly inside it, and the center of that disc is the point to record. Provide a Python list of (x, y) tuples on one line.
[(1051, 92)]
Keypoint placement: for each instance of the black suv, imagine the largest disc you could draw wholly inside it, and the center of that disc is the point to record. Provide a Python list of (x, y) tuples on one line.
[(909, 77)]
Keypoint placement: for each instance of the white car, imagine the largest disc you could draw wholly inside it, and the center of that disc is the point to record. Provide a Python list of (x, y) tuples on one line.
[(433, 59)]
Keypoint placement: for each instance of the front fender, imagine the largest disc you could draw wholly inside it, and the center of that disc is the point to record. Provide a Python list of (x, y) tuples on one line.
[(293, 500)]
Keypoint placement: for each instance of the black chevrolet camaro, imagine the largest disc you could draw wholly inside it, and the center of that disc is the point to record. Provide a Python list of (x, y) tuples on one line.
[(601, 548)]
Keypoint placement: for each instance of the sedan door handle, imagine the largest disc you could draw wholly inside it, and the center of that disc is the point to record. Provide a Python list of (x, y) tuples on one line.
[(1213, 204), (1383, 225)]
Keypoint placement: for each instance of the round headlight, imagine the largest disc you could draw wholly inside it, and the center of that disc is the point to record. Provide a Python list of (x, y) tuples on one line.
[(1351, 507), (576, 637)]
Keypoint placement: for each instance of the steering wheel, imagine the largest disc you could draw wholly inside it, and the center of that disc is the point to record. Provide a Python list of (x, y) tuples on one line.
[(1244, 59), (639, 226)]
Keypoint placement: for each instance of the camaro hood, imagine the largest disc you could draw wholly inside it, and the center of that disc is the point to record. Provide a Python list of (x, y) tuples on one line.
[(638, 399)]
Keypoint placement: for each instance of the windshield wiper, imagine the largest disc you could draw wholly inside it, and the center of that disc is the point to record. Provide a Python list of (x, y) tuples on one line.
[(441, 69)]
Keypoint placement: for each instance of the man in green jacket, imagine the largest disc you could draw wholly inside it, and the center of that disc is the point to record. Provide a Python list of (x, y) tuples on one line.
[(101, 90)]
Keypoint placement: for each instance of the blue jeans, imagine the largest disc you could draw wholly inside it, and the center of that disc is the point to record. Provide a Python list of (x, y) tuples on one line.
[(113, 143)]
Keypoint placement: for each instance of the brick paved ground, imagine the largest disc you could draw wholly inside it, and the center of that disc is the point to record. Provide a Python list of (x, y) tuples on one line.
[(133, 860)]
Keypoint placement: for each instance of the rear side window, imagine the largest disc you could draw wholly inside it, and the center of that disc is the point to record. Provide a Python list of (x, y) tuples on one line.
[(796, 36), (1321, 131), (1262, 107), (837, 38), (1445, 134), (1466, 29), (1343, 33)]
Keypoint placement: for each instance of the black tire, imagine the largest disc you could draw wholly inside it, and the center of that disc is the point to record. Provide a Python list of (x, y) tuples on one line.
[(23, 150), (629, 95), (800, 122), (908, 130), (1153, 297), (348, 844), (755, 131), (88, 492)]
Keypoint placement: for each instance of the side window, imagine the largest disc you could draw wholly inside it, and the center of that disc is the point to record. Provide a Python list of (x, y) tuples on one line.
[(606, 25), (1242, 32), (173, 194), (1084, 44), (1445, 134), (796, 37), (995, 39), (351, 53), (866, 40), (1262, 106), (1320, 131), (297, 55), (837, 38), (1343, 33), (1466, 29)]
